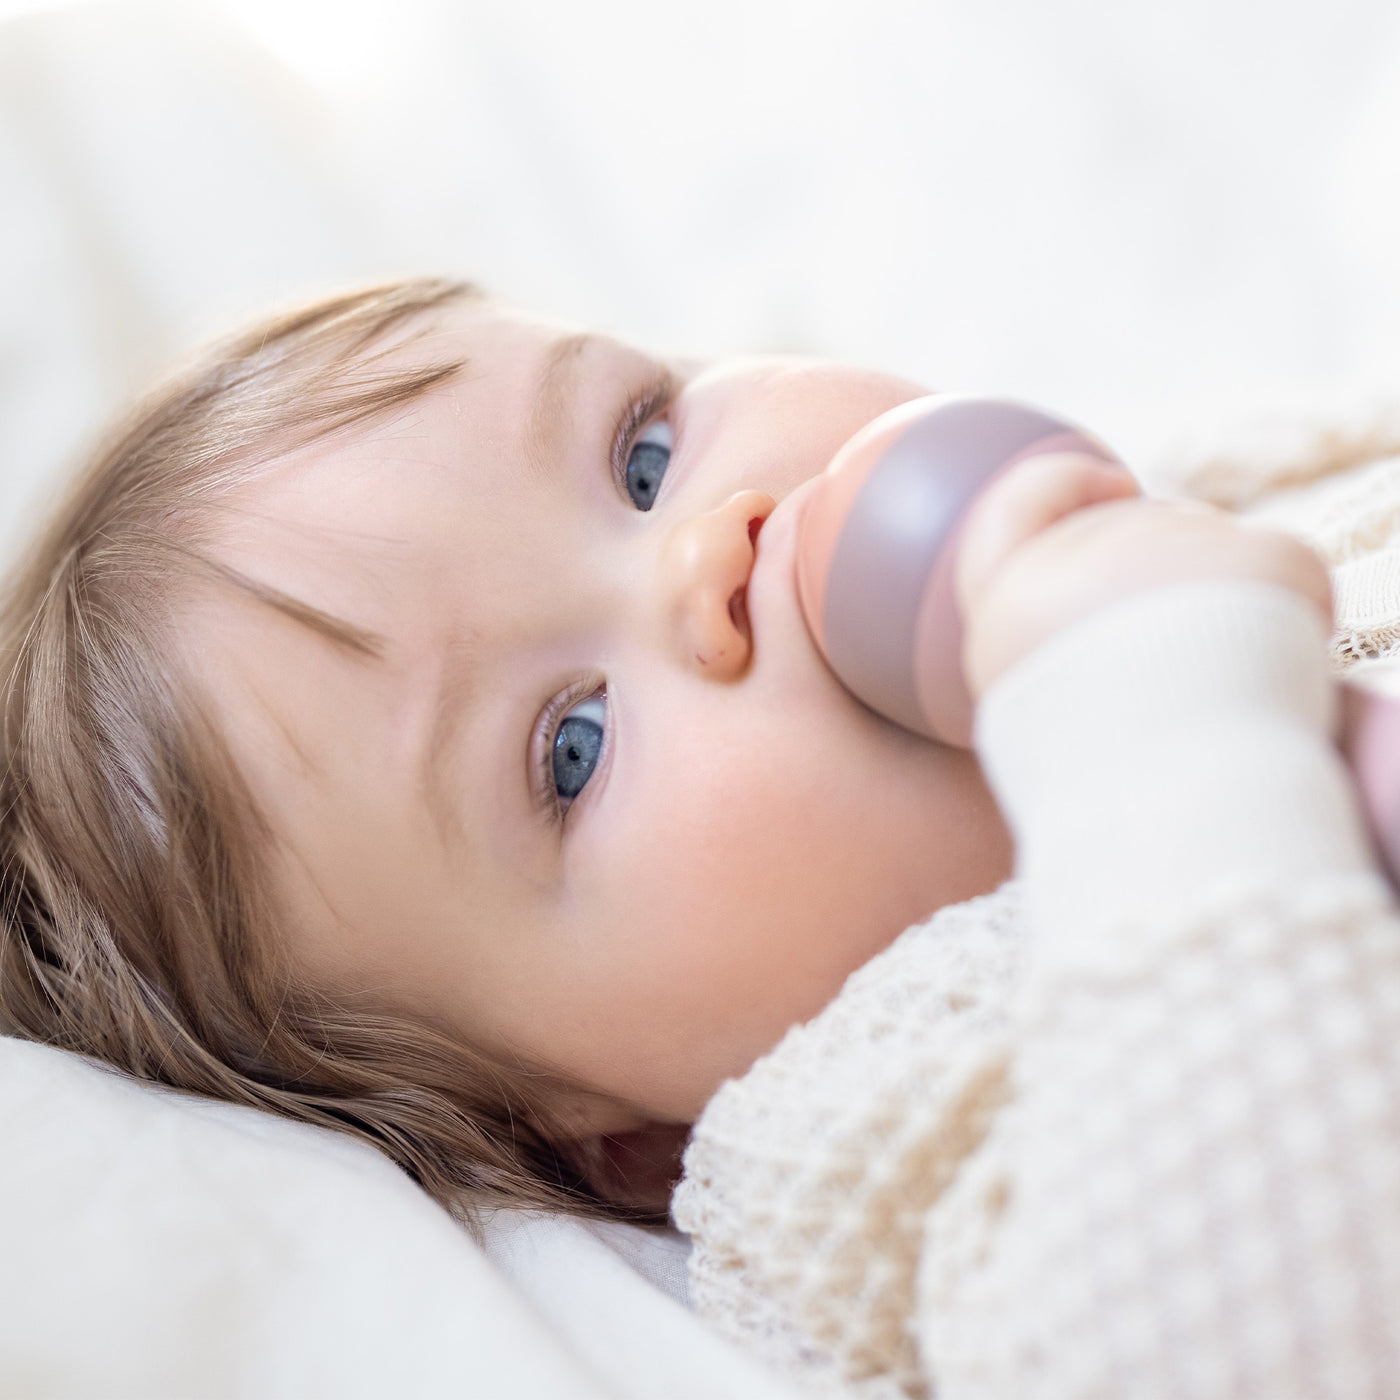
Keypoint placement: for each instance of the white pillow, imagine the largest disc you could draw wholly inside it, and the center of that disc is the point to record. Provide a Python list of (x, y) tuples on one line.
[(156, 1244)]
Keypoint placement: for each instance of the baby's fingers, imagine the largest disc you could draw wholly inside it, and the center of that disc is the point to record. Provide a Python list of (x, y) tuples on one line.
[(1030, 498)]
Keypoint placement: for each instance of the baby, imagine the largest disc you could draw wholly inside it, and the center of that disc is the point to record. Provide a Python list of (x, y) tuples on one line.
[(412, 729)]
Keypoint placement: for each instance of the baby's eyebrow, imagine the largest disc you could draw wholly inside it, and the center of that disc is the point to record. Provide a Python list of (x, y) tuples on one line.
[(550, 401), (349, 636)]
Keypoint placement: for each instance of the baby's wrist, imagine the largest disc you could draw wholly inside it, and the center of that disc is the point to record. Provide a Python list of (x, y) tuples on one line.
[(1168, 748)]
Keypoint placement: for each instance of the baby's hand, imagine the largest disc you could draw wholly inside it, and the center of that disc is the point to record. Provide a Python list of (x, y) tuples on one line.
[(1060, 537)]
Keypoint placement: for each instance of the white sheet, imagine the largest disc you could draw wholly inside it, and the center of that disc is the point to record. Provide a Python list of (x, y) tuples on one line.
[(153, 1244)]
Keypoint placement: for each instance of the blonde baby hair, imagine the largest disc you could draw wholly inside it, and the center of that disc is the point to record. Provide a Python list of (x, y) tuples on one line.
[(135, 923)]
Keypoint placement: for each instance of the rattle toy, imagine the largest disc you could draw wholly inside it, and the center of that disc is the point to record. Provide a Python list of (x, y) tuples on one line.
[(875, 560)]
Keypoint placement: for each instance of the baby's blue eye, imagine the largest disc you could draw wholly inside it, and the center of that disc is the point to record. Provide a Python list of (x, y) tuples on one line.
[(647, 463), (577, 745)]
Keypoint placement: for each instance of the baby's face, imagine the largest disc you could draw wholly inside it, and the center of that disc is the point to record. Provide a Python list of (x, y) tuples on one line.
[(598, 802)]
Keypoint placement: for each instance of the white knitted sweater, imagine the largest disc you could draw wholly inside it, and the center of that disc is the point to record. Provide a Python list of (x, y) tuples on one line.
[(1130, 1126)]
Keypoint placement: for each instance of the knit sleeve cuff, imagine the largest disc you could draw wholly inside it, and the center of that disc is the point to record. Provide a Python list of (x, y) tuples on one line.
[(1172, 750)]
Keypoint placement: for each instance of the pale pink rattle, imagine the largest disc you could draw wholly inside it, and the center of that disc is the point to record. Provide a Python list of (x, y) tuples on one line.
[(876, 552)]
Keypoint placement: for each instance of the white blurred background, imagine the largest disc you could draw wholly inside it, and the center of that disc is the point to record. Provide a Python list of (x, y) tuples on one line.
[(1155, 217)]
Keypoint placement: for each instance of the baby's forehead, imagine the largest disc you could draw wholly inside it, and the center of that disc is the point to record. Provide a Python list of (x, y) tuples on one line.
[(515, 368), (323, 543), (354, 522), (332, 511), (501, 343)]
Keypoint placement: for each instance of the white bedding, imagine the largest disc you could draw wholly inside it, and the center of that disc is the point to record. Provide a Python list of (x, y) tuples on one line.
[(155, 1244)]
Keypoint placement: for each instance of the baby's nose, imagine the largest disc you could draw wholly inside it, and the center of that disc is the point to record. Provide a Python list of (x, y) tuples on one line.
[(705, 566)]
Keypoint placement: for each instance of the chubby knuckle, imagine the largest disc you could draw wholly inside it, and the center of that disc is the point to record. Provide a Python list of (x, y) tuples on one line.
[(1288, 551)]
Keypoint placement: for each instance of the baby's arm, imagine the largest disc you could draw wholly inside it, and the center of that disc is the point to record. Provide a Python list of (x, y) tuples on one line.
[(1195, 1187)]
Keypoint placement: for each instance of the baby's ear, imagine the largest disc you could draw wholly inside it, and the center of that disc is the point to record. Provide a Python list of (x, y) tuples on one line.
[(637, 1168)]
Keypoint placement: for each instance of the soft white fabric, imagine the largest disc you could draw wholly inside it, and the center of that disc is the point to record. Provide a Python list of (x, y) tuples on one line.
[(1217, 690), (159, 1245), (583, 1276)]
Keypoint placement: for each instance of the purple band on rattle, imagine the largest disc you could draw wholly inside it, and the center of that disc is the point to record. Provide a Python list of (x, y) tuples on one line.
[(893, 559)]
